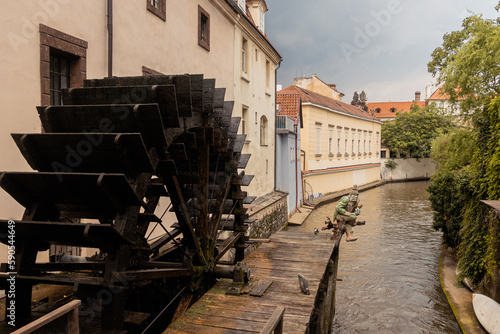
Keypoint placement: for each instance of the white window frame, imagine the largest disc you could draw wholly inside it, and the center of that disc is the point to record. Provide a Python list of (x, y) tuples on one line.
[(318, 139)]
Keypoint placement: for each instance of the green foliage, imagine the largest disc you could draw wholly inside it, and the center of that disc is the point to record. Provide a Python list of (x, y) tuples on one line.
[(391, 164), (448, 195), (453, 150), (468, 63), (412, 133)]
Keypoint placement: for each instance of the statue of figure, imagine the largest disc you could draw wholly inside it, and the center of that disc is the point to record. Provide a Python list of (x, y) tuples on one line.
[(355, 99), (348, 210), (362, 97)]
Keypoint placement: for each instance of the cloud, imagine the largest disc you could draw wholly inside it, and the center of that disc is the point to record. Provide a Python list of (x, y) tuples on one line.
[(393, 50)]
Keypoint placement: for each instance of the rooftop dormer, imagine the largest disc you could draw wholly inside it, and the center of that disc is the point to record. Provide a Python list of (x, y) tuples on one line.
[(257, 9)]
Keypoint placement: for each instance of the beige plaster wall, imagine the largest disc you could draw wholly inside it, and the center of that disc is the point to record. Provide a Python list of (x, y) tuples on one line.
[(329, 182), (255, 91), (313, 115)]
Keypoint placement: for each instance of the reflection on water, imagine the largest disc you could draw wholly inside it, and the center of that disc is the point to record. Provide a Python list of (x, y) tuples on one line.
[(390, 276)]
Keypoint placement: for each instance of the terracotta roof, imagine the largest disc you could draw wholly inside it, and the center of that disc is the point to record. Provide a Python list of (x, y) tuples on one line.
[(386, 108), (289, 105), (439, 94), (315, 98)]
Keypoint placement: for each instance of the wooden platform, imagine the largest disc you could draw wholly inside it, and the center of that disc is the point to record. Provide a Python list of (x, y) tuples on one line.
[(287, 255)]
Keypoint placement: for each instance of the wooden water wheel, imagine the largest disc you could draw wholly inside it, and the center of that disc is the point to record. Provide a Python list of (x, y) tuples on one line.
[(105, 160)]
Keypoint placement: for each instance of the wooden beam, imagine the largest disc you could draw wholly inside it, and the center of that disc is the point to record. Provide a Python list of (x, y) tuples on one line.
[(71, 309), (228, 243)]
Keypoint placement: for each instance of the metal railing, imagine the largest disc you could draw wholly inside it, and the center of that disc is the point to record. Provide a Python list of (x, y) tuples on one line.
[(284, 122)]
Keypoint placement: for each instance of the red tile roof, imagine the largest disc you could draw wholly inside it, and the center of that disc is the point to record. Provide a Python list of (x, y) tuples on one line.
[(439, 94), (387, 107), (315, 98), (289, 104)]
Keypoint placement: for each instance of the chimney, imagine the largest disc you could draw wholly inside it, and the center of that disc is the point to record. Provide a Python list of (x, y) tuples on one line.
[(417, 96)]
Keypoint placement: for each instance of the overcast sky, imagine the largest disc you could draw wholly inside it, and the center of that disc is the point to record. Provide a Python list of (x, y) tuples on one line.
[(379, 46)]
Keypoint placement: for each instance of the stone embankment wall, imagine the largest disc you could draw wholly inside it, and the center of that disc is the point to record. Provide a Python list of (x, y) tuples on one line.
[(270, 213), (408, 169)]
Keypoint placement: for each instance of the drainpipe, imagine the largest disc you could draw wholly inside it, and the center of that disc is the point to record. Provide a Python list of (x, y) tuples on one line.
[(110, 38), (302, 175), (296, 126), (275, 104)]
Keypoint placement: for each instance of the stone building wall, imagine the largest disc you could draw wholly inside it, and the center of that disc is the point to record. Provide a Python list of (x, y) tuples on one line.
[(271, 214)]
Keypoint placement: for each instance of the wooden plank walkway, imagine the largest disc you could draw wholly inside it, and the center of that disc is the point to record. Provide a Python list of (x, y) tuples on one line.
[(287, 255)]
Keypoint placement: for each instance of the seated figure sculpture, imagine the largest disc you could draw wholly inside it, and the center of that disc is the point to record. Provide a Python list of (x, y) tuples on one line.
[(347, 210)]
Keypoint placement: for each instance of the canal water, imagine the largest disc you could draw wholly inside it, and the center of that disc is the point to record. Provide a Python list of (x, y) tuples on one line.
[(390, 275)]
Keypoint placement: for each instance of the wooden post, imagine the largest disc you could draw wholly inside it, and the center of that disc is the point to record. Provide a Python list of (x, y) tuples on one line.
[(71, 308), (275, 322)]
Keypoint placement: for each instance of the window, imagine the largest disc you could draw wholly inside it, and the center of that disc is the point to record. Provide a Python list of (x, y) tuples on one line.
[(158, 8), (330, 142), (338, 141), (393, 109), (353, 141), (377, 110), (263, 131), (244, 55), (359, 143), (268, 74), (244, 120), (59, 77), (261, 21), (370, 143), (62, 63), (364, 144), (376, 142), (318, 139), (382, 154), (346, 145), (203, 28)]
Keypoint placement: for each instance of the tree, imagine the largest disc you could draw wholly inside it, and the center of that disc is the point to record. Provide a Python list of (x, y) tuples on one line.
[(412, 133), (468, 64), (452, 151)]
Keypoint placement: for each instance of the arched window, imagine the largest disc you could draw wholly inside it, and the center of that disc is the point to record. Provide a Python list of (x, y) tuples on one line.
[(377, 110), (393, 109), (263, 130)]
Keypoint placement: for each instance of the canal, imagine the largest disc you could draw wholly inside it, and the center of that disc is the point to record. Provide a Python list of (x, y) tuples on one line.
[(390, 275)]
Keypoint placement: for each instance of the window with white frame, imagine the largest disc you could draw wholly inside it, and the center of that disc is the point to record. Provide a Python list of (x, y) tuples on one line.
[(330, 141), (263, 131), (268, 74), (377, 142), (244, 46), (353, 146), (242, 5), (359, 143), (339, 133), (346, 144), (244, 120), (364, 143), (261, 21), (318, 139), (370, 136)]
